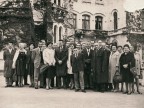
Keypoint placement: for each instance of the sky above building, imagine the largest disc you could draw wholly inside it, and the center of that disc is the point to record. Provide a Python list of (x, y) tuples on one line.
[(132, 5), (129, 5)]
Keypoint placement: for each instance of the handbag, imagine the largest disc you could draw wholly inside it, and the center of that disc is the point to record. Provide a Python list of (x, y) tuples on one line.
[(141, 74), (117, 77), (43, 68), (133, 71)]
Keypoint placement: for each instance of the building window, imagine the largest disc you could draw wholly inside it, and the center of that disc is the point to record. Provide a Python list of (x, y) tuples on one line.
[(55, 33), (60, 33), (86, 22), (55, 1), (86, 1), (74, 20), (59, 2), (115, 20), (99, 2), (98, 22)]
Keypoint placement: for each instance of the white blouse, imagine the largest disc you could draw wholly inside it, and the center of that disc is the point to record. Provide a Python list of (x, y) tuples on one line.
[(49, 56)]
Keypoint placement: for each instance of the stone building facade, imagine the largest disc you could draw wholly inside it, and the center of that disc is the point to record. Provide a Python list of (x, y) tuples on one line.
[(101, 15)]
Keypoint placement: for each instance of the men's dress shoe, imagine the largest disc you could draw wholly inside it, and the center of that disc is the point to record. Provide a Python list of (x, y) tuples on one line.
[(139, 92), (41, 87), (76, 90), (26, 84), (83, 91), (47, 88), (36, 87), (10, 86), (6, 86), (125, 92), (58, 87)]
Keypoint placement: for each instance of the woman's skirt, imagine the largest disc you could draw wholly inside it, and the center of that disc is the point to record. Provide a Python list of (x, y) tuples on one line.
[(127, 76), (50, 72)]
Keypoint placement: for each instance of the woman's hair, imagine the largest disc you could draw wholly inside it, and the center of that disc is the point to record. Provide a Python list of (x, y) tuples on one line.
[(32, 44), (48, 43), (126, 45), (119, 46), (72, 44), (113, 45)]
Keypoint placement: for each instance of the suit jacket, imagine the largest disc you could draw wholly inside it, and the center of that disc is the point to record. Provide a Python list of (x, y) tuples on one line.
[(87, 60), (36, 57), (61, 54), (61, 69), (77, 63), (7, 55), (87, 57), (98, 65)]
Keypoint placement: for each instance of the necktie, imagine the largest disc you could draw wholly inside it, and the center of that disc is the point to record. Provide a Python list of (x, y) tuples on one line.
[(88, 52)]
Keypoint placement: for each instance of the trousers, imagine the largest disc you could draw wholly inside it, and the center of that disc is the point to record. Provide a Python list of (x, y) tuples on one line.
[(79, 80)]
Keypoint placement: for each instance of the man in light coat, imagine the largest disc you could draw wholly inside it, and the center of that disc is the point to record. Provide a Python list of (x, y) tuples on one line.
[(38, 61)]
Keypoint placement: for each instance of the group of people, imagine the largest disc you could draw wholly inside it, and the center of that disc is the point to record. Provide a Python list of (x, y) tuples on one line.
[(75, 66)]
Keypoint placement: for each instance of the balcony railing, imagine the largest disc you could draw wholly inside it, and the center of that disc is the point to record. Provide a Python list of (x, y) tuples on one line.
[(118, 31), (94, 33)]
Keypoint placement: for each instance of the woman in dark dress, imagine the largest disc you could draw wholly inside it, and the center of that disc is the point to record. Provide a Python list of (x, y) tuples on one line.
[(127, 61), (30, 65), (19, 63)]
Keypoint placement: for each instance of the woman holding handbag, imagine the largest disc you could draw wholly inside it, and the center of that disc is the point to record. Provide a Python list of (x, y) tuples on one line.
[(49, 58), (113, 68), (127, 62)]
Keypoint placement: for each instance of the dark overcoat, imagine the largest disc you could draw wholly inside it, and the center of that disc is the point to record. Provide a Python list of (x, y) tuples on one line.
[(130, 60), (8, 61), (30, 63), (87, 60), (61, 69), (106, 65), (98, 66)]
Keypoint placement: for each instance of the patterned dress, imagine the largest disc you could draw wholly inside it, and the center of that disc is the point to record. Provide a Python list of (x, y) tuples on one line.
[(21, 64)]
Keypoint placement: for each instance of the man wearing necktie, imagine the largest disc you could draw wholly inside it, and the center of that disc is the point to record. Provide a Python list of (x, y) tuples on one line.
[(97, 65), (37, 58), (77, 61), (61, 56), (87, 52)]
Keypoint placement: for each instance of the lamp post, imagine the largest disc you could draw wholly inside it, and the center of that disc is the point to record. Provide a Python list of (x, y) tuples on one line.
[(142, 15)]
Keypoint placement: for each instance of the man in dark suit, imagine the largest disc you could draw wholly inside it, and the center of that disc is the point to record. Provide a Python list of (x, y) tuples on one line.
[(77, 61), (87, 53), (61, 56)]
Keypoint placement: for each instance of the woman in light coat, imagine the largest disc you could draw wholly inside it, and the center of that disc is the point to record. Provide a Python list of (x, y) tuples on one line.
[(138, 66), (69, 67), (49, 58), (113, 66)]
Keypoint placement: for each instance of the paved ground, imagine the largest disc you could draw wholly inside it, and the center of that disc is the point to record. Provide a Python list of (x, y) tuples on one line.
[(31, 98)]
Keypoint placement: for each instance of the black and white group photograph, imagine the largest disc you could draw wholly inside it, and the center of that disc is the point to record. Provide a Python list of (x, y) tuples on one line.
[(71, 53)]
